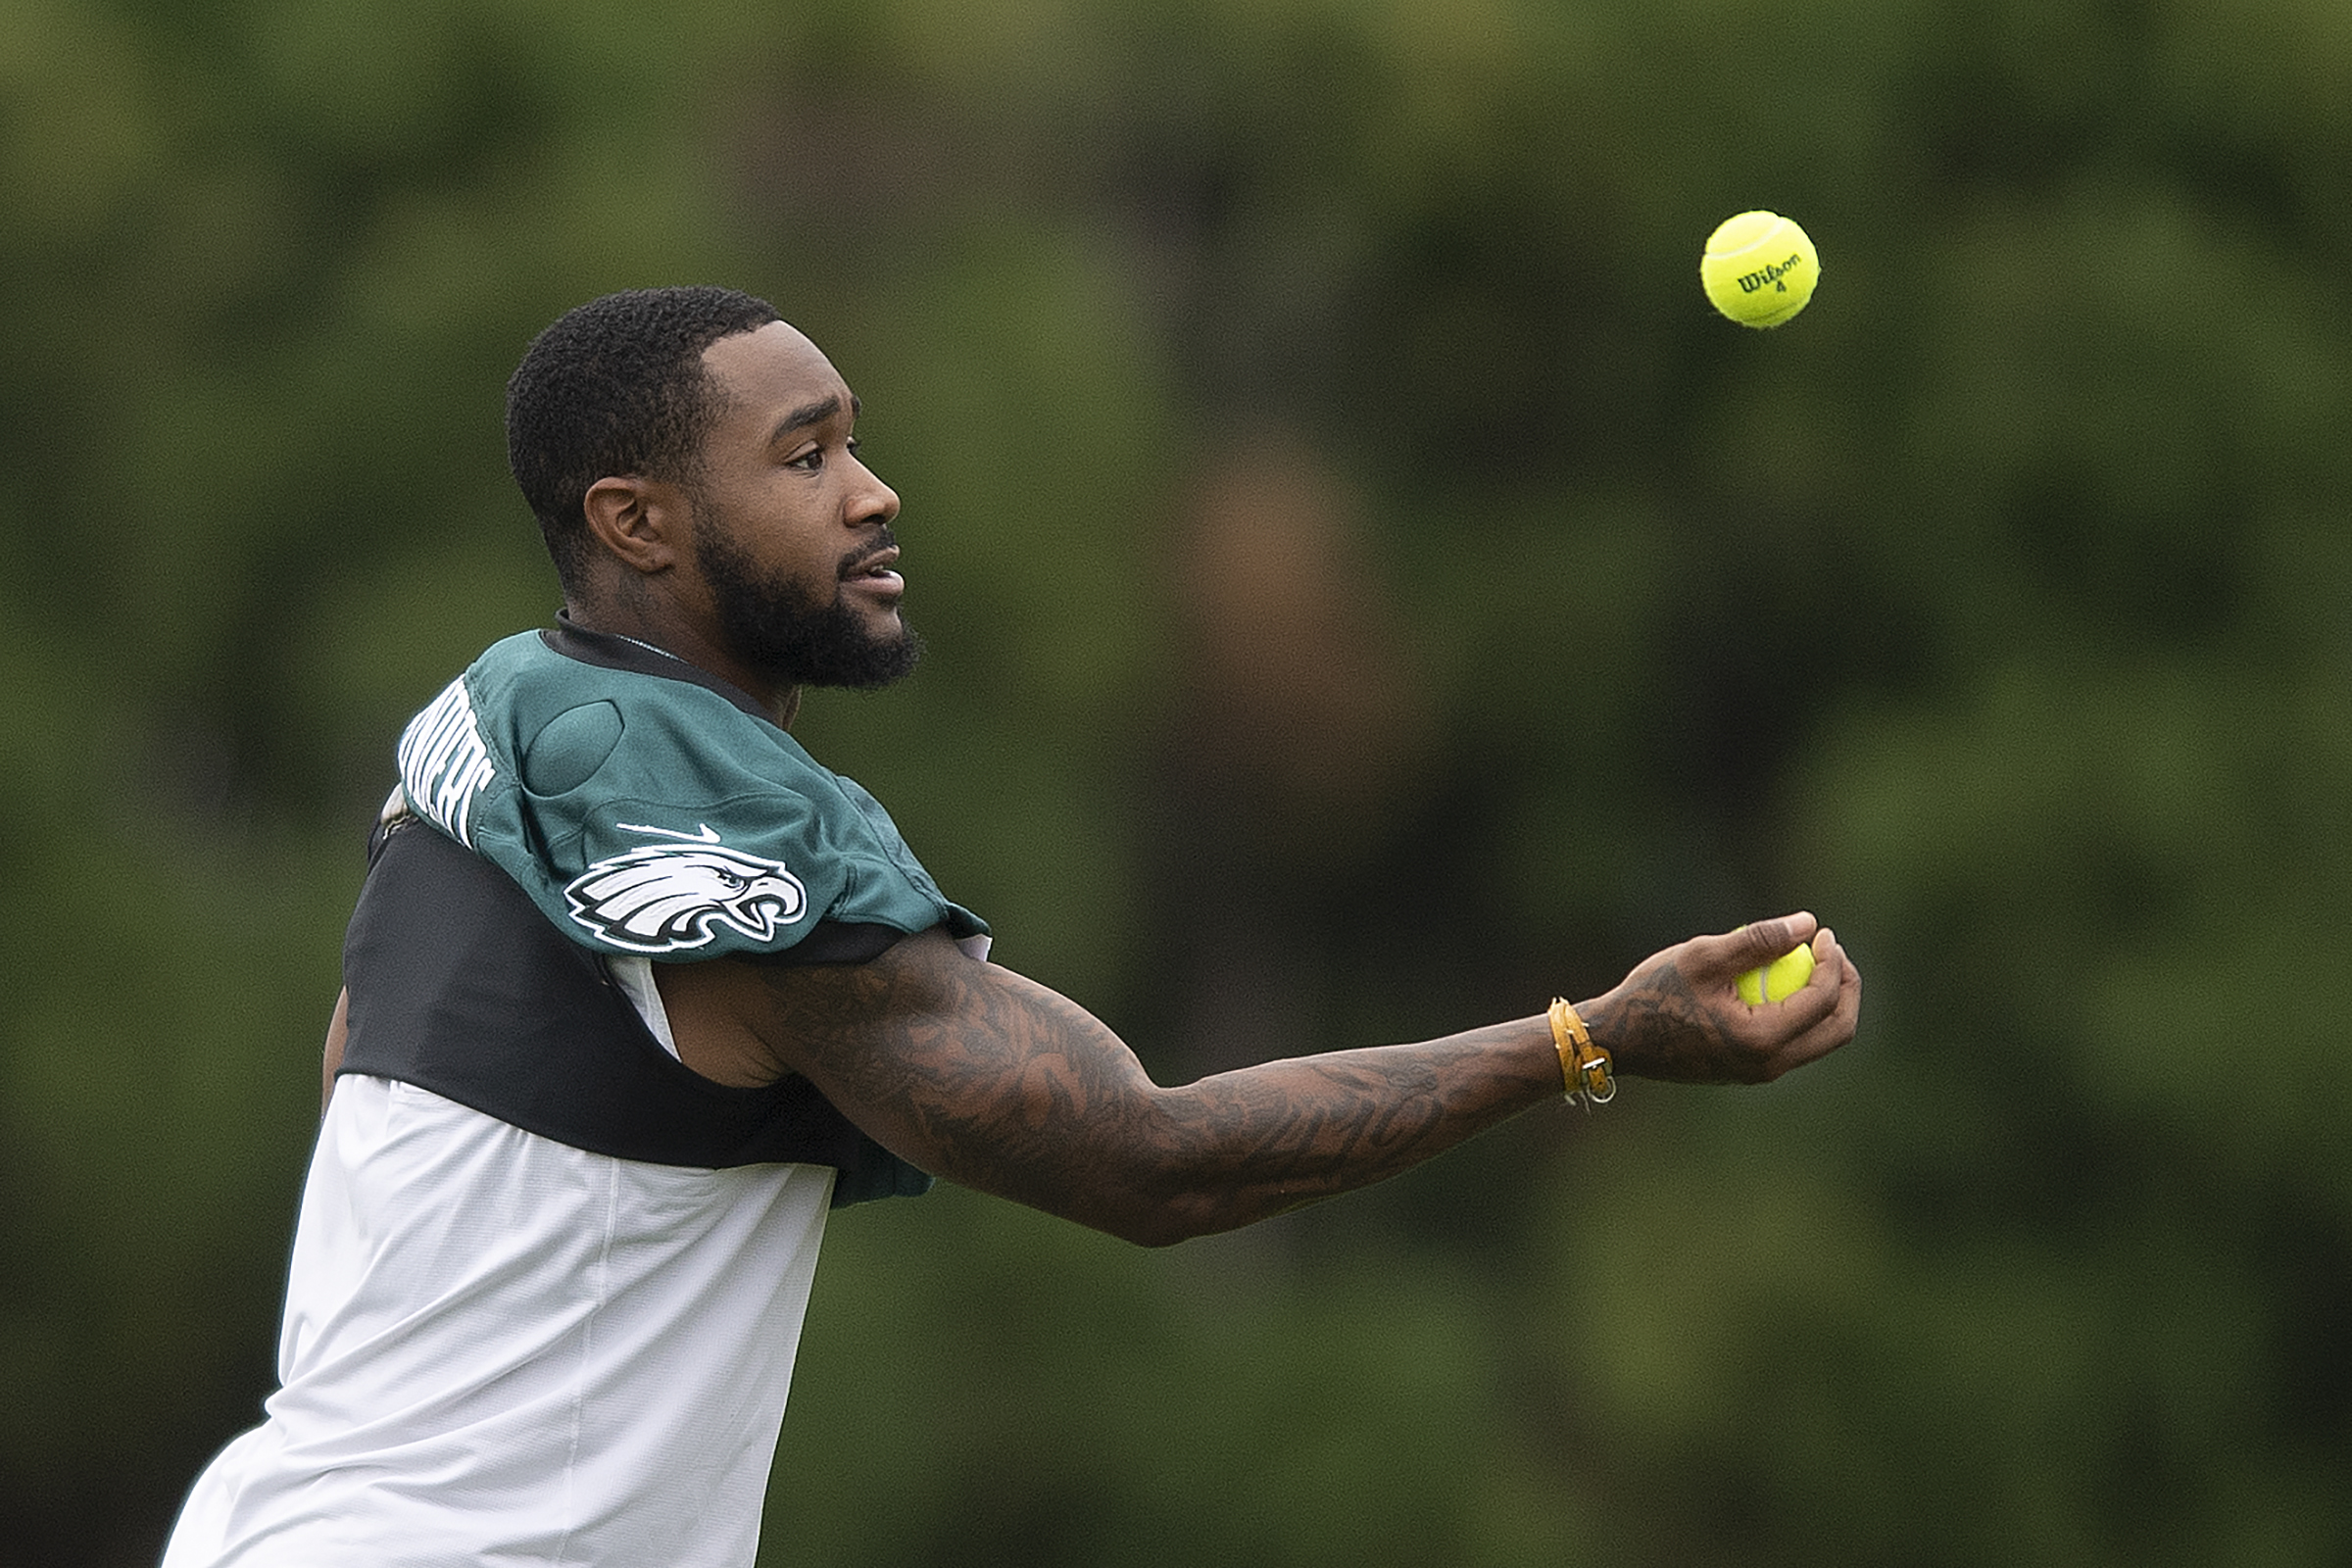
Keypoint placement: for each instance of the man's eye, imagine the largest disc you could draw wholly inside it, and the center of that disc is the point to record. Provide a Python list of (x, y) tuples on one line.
[(811, 460)]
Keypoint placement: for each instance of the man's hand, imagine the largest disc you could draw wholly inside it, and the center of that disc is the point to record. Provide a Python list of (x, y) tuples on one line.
[(1678, 1017)]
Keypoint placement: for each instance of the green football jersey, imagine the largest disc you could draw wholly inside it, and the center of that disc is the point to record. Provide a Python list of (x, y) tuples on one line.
[(648, 807)]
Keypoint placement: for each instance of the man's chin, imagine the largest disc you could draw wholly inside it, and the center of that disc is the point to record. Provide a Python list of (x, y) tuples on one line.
[(891, 663), (846, 641), (862, 663)]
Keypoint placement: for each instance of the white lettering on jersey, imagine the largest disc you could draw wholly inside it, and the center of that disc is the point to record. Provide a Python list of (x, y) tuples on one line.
[(664, 898), (444, 764)]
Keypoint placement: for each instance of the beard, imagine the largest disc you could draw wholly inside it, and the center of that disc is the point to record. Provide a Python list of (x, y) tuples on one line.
[(793, 633)]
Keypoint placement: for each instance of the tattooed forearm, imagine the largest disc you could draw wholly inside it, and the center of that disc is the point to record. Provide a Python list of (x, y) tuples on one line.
[(978, 1075), (1001, 1084)]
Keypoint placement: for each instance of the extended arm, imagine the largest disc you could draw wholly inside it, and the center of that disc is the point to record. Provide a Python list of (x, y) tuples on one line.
[(996, 1082), (999, 1084)]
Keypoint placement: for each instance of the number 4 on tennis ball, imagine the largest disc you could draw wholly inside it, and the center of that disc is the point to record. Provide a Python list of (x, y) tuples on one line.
[(1778, 980)]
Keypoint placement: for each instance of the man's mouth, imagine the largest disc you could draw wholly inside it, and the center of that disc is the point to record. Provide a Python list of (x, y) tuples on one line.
[(878, 571)]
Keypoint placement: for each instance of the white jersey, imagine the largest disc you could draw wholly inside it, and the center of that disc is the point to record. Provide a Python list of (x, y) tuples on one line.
[(500, 1349)]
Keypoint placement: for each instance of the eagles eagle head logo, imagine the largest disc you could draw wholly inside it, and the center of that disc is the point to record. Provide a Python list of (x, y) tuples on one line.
[(666, 898)]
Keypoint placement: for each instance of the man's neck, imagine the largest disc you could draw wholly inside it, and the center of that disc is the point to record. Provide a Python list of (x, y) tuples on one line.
[(675, 639)]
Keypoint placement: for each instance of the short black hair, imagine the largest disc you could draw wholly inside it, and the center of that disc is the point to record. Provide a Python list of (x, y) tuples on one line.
[(617, 386)]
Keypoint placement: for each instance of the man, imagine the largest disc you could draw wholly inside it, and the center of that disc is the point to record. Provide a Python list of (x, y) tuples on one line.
[(636, 989)]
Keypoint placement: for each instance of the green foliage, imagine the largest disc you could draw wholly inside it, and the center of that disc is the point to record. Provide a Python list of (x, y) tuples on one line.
[(1368, 591)]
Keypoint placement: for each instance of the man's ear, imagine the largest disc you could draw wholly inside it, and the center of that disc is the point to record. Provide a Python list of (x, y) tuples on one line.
[(640, 522)]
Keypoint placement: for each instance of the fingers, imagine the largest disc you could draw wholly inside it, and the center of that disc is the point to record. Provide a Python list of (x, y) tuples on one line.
[(1752, 946), (1758, 1043), (1835, 991), (1679, 1017)]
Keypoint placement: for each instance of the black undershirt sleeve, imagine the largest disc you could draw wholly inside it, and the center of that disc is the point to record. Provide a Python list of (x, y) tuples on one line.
[(458, 985)]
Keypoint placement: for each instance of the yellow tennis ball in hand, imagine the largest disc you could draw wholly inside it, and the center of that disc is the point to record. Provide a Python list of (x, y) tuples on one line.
[(1759, 269), (1778, 980)]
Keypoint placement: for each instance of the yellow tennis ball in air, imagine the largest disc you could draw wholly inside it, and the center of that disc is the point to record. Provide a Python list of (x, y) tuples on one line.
[(1759, 269), (1778, 980)]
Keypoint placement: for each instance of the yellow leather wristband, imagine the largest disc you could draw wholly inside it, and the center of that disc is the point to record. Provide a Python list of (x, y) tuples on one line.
[(1583, 1066)]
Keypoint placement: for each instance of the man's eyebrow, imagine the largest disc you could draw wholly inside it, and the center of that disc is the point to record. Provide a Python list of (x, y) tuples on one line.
[(816, 412)]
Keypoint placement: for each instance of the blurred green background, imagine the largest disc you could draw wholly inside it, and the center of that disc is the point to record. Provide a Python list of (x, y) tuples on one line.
[(1369, 592)]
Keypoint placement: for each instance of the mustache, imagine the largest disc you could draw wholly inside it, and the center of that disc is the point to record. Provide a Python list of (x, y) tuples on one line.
[(857, 560)]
